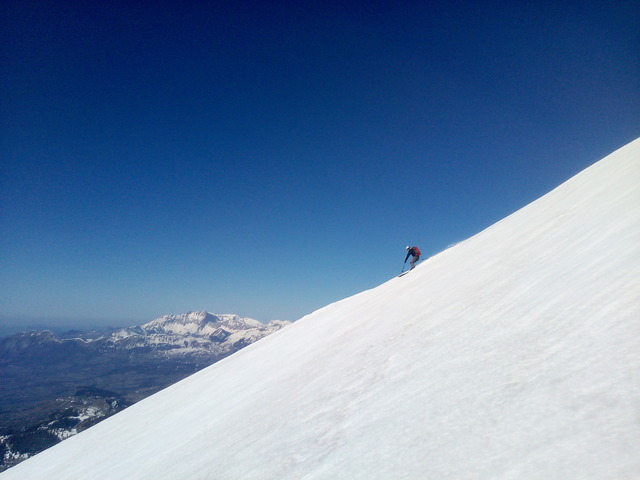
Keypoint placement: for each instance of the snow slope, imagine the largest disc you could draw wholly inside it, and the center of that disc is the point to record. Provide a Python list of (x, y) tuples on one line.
[(513, 355)]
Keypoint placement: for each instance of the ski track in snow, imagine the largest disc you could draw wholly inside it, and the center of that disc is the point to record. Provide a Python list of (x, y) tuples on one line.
[(512, 355)]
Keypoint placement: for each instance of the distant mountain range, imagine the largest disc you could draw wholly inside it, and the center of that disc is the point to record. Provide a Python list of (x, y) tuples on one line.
[(194, 335), (54, 386)]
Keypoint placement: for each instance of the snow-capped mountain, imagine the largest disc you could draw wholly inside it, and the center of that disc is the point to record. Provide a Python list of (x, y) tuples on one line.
[(514, 355), (195, 334)]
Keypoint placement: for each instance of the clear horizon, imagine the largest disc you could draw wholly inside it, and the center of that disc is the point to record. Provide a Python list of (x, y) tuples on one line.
[(268, 160)]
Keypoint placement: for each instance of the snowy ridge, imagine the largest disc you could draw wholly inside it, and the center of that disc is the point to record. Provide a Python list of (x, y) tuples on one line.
[(193, 333), (200, 323), (514, 355)]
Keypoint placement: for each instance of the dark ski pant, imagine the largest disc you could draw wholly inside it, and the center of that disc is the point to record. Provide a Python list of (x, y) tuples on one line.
[(413, 261)]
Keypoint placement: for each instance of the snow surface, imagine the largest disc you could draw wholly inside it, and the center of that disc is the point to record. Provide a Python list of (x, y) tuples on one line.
[(512, 355)]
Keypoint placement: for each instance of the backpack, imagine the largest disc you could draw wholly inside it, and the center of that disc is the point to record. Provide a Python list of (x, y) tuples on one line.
[(416, 251)]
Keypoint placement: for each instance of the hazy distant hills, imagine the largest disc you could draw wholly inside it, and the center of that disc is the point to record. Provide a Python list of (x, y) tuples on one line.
[(194, 335), (54, 386)]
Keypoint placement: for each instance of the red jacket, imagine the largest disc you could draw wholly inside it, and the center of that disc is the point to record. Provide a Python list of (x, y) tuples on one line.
[(415, 251)]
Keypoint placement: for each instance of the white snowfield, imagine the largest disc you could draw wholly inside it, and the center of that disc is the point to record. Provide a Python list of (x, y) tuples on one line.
[(513, 355)]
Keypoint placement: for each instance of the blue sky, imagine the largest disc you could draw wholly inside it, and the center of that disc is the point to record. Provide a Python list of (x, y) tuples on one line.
[(269, 158)]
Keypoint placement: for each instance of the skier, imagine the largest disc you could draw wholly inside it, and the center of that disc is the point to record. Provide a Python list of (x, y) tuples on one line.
[(415, 256)]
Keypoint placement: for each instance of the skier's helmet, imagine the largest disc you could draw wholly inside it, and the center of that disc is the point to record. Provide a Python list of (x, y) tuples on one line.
[(407, 247)]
